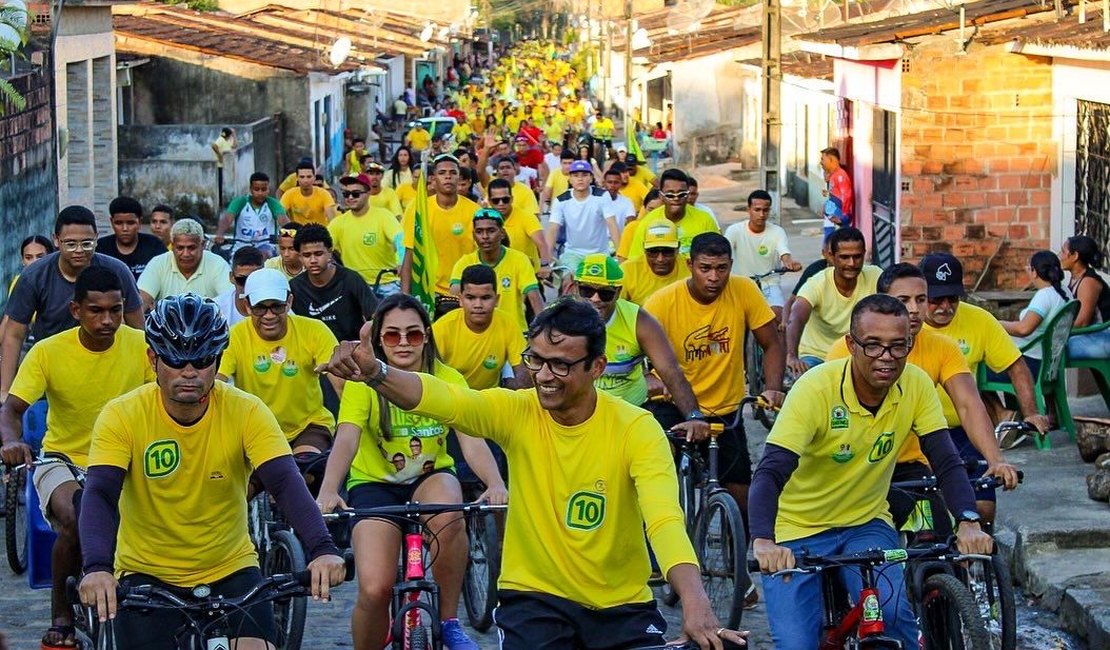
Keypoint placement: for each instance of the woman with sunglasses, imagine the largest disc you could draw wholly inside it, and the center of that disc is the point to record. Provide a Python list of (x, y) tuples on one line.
[(371, 434)]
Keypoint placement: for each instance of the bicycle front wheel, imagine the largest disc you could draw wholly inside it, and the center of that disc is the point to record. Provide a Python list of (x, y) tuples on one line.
[(753, 369), (949, 616), (482, 569), (15, 520), (721, 545), (993, 590), (287, 556)]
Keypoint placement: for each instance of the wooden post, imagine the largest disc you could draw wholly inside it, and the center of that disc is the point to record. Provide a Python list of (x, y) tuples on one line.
[(772, 102)]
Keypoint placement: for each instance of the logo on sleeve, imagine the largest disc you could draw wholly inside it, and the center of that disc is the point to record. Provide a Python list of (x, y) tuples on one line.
[(838, 418), (161, 458), (585, 510), (884, 444)]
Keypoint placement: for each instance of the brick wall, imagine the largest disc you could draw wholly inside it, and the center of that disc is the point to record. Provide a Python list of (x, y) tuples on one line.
[(977, 158)]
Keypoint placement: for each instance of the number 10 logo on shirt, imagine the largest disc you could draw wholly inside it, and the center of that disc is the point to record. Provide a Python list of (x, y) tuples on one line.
[(161, 458), (585, 510)]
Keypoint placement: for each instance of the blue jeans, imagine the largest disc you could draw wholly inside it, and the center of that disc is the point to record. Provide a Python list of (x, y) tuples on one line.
[(794, 608), (810, 361), (1095, 345)]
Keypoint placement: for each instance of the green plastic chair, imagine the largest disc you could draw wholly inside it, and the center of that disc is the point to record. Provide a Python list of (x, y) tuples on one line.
[(1100, 368), (1049, 381)]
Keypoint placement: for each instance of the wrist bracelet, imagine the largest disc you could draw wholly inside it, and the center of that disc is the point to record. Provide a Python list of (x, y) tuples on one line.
[(376, 380)]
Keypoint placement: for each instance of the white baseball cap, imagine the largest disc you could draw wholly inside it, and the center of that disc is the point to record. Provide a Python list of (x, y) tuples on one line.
[(266, 284)]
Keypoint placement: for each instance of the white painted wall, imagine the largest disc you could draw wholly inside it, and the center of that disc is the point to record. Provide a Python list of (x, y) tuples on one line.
[(321, 86)]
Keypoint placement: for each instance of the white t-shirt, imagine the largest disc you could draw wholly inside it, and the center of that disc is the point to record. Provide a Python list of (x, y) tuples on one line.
[(226, 302), (585, 221), (528, 176), (552, 161), (1045, 302), (621, 208), (753, 254)]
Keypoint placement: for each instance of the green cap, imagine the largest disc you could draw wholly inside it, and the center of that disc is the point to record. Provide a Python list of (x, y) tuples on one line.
[(601, 270)]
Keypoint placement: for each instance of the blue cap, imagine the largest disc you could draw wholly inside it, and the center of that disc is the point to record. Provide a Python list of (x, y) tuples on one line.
[(581, 166)]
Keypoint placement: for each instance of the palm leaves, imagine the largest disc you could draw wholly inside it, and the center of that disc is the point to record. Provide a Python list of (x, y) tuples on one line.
[(13, 36)]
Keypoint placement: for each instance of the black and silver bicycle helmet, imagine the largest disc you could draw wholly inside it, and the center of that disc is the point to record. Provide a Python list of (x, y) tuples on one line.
[(187, 327)]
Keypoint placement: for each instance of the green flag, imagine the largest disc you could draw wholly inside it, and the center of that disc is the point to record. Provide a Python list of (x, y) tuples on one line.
[(633, 141), (424, 259)]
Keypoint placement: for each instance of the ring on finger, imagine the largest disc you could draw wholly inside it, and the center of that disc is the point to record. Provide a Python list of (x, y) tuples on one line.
[(720, 631)]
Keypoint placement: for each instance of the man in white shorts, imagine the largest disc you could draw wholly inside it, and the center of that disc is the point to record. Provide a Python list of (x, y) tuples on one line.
[(759, 247)]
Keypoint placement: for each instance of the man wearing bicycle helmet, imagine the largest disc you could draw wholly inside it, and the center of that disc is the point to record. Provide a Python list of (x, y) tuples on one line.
[(822, 483), (164, 500)]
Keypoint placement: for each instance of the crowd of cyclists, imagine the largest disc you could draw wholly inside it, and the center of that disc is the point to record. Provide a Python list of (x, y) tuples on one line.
[(580, 310)]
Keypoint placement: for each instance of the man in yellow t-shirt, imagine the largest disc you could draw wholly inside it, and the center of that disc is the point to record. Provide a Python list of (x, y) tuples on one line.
[(449, 222), (418, 139), (631, 188), (516, 282), (522, 228), (822, 310), (823, 479), (308, 203), (478, 339), (599, 472), (381, 196), (59, 368), (368, 237), (942, 361), (688, 220), (273, 355), (168, 468), (660, 265), (639, 171), (558, 180), (706, 319)]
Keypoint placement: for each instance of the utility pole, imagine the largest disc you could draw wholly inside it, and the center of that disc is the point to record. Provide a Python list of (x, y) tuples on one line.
[(772, 103)]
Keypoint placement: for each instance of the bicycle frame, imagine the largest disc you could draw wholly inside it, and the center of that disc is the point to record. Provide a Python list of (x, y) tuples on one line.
[(407, 605), (865, 618)]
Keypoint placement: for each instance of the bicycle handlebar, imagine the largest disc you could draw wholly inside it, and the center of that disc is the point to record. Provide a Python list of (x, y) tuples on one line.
[(1012, 424), (813, 563), (780, 271), (717, 428), (413, 509), (931, 482)]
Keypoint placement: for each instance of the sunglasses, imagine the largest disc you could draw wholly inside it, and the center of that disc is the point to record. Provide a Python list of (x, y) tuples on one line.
[(288, 232), (278, 308), (393, 338), (352, 194), (661, 252), (241, 280), (675, 196), (199, 363), (499, 200), (606, 295)]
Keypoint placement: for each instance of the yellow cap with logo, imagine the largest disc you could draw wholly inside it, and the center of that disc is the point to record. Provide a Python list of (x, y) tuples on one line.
[(599, 269), (661, 234)]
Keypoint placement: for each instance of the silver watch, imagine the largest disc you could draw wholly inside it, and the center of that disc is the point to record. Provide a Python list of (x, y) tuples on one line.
[(376, 380)]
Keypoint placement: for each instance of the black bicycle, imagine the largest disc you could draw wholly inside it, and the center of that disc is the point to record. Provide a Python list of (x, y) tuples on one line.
[(753, 361), (485, 533), (205, 614), (15, 517)]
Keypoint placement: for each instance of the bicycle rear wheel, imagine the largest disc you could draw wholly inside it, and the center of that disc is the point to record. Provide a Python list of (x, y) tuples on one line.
[(287, 556), (753, 369), (15, 520), (950, 617), (483, 566), (993, 590), (720, 542)]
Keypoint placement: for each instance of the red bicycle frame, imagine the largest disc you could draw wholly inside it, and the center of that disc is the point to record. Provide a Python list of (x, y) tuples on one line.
[(867, 615)]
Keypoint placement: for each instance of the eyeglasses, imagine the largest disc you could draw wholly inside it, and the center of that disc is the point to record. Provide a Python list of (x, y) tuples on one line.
[(675, 196), (241, 280), (85, 245), (278, 308), (877, 350), (661, 252), (200, 363), (499, 200), (393, 338), (352, 194), (605, 294), (558, 367)]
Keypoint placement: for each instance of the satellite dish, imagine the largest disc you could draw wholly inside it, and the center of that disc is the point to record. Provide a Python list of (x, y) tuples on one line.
[(640, 39), (701, 8), (340, 50), (427, 33), (679, 22)]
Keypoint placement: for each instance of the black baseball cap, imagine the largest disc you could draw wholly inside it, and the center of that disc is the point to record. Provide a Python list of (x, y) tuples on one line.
[(944, 274)]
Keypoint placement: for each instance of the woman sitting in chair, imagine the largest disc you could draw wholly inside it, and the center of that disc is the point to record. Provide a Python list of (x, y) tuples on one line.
[(1046, 275), (1078, 256)]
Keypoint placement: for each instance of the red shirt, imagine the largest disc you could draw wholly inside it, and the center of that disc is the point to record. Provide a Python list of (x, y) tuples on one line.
[(840, 186), (533, 133), (530, 157)]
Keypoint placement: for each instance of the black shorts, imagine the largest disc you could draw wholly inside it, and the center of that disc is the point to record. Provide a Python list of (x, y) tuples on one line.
[(735, 459), (375, 495), (156, 629), (535, 621)]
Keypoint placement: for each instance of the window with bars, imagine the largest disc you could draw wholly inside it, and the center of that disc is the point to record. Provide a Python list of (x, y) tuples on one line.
[(1092, 173)]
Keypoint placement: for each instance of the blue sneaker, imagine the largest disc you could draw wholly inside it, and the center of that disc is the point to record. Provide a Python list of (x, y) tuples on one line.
[(454, 638)]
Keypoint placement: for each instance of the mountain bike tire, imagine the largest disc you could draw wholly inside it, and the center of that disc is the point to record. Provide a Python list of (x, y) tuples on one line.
[(15, 521), (287, 556), (721, 545), (993, 590), (483, 566), (950, 618)]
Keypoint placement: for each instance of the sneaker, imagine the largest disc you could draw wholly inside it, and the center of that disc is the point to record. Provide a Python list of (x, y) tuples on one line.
[(454, 638), (751, 597), (1011, 438)]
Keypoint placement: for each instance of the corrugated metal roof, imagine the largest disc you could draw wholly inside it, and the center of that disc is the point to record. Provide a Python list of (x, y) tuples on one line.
[(1067, 33), (802, 64), (725, 28)]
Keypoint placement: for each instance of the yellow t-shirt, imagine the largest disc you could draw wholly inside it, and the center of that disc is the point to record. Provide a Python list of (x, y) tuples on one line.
[(417, 444), (831, 316), (980, 338), (368, 243), (709, 339), (520, 226), (557, 182), (308, 209), (693, 223), (635, 192), (388, 200), (282, 372), (453, 231), (418, 139), (640, 282), (479, 357), (275, 263), (406, 194), (183, 509), (644, 175), (847, 454), (938, 356), (524, 200), (78, 382), (624, 368), (515, 278), (585, 497)]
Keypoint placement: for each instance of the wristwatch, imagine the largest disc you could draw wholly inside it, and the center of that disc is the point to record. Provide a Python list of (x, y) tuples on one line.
[(542, 263), (969, 516), (376, 380), (696, 414)]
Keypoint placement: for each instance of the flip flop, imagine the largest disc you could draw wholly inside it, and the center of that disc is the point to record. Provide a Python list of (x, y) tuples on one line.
[(68, 634)]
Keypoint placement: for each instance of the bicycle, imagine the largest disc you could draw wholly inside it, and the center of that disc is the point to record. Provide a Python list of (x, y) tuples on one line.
[(859, 623), (484, 532), (753, 360), (205, 615), (279, 552), (15, 518), (415, 607), (714, 523)]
